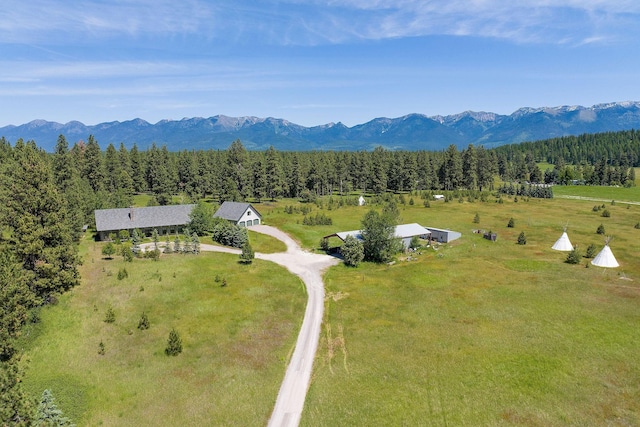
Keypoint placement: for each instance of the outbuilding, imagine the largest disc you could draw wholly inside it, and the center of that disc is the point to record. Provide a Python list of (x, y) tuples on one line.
[(404, 232), (443, 236), (238, 213)]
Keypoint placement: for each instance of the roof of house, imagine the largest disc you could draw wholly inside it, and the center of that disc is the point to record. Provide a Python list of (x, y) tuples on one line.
[(402, 231), (233, 211), (146, 217)]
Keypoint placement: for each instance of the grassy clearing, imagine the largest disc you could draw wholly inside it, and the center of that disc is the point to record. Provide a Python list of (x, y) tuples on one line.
[(619, 194), (482, 333), (237, 340)]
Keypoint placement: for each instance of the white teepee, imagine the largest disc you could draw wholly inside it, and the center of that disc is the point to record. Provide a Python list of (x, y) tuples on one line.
[(605, 258), (361, 201), (563, 243)]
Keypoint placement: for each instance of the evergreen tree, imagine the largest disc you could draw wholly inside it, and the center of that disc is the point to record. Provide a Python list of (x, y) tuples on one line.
[(274, 175), (138, 170), (174, 344), (16, 408), (522, 239), (48, 414), (16, 299), (247, 255), (37, 216), (144, 323), (93, 167)]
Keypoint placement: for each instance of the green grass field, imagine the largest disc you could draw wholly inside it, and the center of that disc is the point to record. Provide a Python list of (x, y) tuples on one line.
[(475, 333), (482, 333), (237, 340)]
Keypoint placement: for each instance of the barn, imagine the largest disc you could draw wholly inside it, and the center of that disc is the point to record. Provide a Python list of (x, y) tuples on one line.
[(405, 232)]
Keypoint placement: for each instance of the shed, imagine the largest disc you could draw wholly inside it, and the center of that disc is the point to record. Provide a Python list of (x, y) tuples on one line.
[(442, 235), (165, 219), (239, 213)]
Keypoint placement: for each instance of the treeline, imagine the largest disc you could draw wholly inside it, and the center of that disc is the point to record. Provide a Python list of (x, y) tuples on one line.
[(590, 159), (38, 255)]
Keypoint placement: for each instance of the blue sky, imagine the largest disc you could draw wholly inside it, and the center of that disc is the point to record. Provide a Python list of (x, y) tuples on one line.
[(311, 62)]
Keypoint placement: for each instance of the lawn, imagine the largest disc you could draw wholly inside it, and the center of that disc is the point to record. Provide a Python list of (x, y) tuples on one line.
[(237, 340)]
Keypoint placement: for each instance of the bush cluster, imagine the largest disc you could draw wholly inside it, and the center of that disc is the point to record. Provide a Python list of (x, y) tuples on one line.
[(317, 219), (228, 234)]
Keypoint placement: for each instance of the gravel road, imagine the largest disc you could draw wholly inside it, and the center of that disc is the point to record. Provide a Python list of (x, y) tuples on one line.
[(309, 267)]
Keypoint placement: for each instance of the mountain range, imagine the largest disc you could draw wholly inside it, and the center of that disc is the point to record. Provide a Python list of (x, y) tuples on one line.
[(410, 132)]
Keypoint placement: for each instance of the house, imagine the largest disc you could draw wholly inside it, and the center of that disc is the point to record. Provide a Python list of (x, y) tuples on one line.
[(165, 219), (241, 214), (405, 232)]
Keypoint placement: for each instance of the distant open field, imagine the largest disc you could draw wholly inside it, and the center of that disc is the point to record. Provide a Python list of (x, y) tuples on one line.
[(482, 333), (475, 333), (237, 340)]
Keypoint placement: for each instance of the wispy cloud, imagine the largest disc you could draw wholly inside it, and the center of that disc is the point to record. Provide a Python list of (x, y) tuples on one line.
[(319, 22)]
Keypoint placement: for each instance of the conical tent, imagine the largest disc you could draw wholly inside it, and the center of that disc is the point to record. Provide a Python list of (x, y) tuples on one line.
[(605, 258), (563, 243)]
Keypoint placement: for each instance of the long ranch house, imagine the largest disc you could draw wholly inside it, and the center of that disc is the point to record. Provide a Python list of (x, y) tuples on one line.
[(166, 219)]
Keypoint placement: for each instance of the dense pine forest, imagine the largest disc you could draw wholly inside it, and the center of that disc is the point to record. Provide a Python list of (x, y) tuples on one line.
[(47, 198)]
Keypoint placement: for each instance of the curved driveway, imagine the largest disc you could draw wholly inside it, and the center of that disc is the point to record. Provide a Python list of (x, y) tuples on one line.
[(309, 268)]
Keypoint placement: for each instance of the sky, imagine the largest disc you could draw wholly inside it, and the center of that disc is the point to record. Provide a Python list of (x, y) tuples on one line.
[(311, 62)]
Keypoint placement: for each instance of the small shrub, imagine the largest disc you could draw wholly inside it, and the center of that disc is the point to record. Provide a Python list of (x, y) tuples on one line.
[(573, 257), (427, 204), (411, 202), (591, 251), (600, 229), (108, 250), (476, 219), (595, 208), (637, 226), (174, 344), (606, 213), (247, 255), (101, 349), (143, 323), (224, 283), (511, 223), (522, 239), (122, 274), (324, 244), (110, 315), (217, 278)]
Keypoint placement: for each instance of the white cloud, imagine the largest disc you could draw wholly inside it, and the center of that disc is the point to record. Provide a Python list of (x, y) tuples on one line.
[(309, 22)]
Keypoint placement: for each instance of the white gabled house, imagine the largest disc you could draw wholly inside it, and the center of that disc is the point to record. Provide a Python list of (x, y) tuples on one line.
[(241, 214)]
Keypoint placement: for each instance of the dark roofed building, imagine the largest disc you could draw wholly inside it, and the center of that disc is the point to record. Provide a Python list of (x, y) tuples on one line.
[(165, 219), (242, 214)]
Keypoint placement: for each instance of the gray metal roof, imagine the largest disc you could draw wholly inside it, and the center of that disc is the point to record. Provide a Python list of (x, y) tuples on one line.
[(233, 211), (147, 217), (401, 231)]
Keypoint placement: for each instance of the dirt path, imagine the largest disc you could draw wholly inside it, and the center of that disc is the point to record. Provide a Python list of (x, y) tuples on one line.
[(309, 267)]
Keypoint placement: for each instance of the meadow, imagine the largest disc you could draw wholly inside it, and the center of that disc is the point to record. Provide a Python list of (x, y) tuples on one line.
[(236, 340), (473, 333), (486, 333)]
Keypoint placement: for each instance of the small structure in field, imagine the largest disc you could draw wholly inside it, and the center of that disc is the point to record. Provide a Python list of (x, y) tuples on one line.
[(605, 258), (361, 201), (438, 196), (563, 243), (443, 236), (238, 213)]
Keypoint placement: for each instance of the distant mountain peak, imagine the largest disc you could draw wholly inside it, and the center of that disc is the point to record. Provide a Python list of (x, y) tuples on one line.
[(413, 131)]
